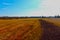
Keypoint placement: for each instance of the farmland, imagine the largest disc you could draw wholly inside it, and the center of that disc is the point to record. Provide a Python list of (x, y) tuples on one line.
[(29, 29), (55, 21)]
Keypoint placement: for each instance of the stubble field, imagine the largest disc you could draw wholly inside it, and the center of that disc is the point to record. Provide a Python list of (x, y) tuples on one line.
[(30, 29)]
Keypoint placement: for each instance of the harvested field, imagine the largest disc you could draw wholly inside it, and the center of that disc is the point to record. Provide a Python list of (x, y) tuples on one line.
[(29, 29), (55, 21)]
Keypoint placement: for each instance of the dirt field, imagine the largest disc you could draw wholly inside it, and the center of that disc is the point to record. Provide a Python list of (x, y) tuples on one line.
[(50, 31), (30, 29)]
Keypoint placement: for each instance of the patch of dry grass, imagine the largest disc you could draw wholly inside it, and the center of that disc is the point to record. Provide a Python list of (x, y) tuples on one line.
[(20, 29), (55, 21)]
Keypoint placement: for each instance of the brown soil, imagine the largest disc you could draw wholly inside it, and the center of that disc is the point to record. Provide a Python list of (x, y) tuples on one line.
[(50, 31)]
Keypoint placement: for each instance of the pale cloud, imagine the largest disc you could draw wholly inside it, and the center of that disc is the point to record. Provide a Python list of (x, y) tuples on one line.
[(47, 8), (4, 3), (50, 7)]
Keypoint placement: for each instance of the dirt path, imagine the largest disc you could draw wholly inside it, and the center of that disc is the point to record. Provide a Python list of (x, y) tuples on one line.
[(50, 31)]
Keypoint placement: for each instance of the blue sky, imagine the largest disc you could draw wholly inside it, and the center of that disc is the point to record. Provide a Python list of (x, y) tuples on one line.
[(29, 7), (17, 7)]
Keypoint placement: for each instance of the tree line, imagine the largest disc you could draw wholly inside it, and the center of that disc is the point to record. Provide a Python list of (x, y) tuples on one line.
[(7, 17)]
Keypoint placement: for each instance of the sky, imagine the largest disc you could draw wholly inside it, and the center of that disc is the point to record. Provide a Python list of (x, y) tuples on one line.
[(29, 7)]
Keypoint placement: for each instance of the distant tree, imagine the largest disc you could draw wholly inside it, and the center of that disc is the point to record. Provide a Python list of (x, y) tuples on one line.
[(57, 16)]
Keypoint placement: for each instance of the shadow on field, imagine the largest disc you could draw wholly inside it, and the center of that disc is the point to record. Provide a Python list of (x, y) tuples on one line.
[(50, 31)]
